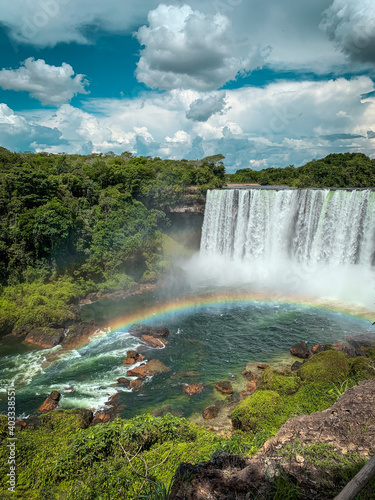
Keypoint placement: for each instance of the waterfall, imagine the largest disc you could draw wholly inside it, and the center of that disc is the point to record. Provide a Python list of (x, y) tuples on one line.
[(317, 243), (310, 226)]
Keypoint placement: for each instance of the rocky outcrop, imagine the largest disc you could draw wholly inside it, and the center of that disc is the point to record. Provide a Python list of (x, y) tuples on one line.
[(149, 369), (123, 381), (314, 454), (210, 412), (50, 403), (45, 337), (301, 350), (138, 330), (136, 384), (79, 334)]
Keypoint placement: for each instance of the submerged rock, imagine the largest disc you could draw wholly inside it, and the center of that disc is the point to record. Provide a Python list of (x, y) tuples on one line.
[(192, 388), (136, 384), (137, 330), (225, 387), (210, 412), (151, 368), (155, 342), (50, 403), (301, 350)]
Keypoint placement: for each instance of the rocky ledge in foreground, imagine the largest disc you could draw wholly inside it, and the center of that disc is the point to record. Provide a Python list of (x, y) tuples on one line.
[(314, 455)]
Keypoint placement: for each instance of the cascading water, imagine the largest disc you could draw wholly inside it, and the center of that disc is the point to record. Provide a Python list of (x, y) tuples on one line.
[(309, 226), (315, 242)]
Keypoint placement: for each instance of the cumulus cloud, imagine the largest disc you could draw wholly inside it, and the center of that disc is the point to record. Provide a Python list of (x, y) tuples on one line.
[(49, 84), (351, 26), (203, 108), (184, 48)]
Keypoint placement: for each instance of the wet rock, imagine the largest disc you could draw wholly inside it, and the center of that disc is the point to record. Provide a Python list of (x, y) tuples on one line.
[(361, 343), (151, 368), (137, 330), (249, 375), (123, 381), (22, 330), (155, 342), (210, 412), (133, 357), (192, 388), (100, 418), (20, 424), (225, 387), (301, 350), (45, 337), (79, 334), (262, 366), (251, 387), (51, 402), (136, 384), (295, 366)]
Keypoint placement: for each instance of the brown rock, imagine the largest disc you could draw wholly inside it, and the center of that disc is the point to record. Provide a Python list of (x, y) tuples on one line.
[(51, 402), (123, 381), (46, 337), (192, 388), (225, 387), (20, 424), (301, 350), (296, 366), (210, 412), (262, 366), (138, 330), (184, 374), (251, 386), (79, 334), (136, 384), (249, 375), (102, 416), (133, 357), (321, 348), (154, 341), (151, 368)]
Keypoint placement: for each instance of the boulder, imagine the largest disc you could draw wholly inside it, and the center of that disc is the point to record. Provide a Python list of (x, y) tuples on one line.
[(151, 368), (225, 387), (51, 402), (251, 386), (136, 384), (101, 417), (249, 375), (133, 357), (301, 350), (138, 330), (295, 366), (123, 381), (210, 412), (155, 342), (45, 337), (192, 388), (79, 334), (362, 344)]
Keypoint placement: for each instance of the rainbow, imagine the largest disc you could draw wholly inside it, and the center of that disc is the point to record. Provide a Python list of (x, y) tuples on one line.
[(191, 303)]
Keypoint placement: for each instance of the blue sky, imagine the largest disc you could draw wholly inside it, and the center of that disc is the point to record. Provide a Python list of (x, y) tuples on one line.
[(265, 83)]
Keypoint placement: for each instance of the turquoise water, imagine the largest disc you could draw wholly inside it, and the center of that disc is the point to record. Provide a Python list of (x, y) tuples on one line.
[(216, 341)]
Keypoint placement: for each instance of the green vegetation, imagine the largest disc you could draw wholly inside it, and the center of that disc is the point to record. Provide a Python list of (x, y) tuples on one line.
[(285, 383), (330, 366), (335, 170), (73, 224)]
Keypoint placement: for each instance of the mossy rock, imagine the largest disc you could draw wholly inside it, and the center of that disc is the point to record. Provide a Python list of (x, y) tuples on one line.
[(285, 383), (362, 368), (327, 366), (260, 411)]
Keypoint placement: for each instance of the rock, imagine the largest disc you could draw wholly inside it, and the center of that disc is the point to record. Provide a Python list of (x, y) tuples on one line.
[(162, 411), (133, 357), (361, 343), (210, 412), (45, 337), (51, 402), (136, 384), (151, 368), (295, 366), (154, 341), (20, 424), (301, 350), (251, 386), (321, 348), (22, 330), (123, 381), (192, 388), (138, 330), (79, 334), (225, 387), (262, 366), (327, 366), (100, 417), (85, 417), (249, 375)]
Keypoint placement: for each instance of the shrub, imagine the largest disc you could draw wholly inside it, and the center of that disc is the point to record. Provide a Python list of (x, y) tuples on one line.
[(327, 366)]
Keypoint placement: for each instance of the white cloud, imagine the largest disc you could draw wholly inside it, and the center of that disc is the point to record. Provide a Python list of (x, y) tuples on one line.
[(351, 26), (284, 123), (49, 84), (188, 49), (203, 108)]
